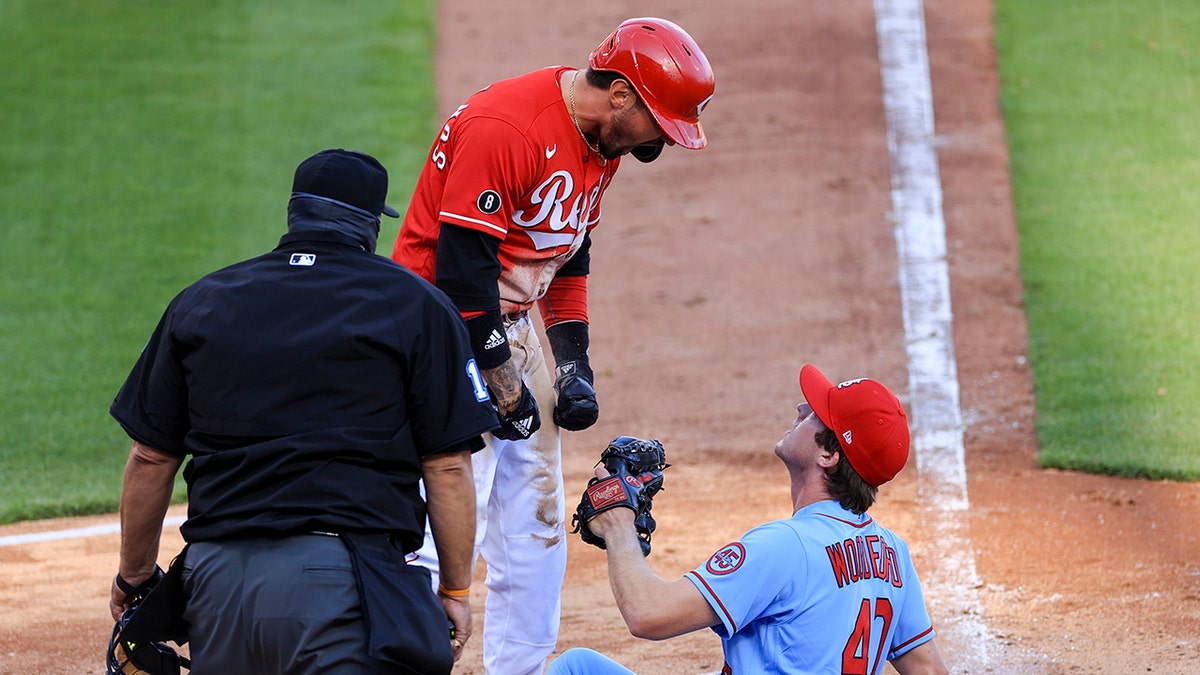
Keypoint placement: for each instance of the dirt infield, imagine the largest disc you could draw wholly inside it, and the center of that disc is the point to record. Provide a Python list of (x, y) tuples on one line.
[(716, 274)]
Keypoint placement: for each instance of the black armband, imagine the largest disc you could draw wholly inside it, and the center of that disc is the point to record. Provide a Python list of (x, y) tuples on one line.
[(488, 340), (568, 341)]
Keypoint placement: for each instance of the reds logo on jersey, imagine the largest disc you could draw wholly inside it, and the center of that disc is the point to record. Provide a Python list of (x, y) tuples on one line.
[(727, 559), (566, 222)]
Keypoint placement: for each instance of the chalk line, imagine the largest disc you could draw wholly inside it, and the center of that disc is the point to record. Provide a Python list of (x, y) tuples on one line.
[(928, 322), (95, 530)]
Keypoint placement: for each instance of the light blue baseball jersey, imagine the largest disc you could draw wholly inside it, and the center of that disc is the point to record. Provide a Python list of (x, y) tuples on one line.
[(825, 591)]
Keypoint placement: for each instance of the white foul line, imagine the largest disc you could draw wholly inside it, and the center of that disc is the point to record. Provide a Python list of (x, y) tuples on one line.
[(928, 323), (95, 530)]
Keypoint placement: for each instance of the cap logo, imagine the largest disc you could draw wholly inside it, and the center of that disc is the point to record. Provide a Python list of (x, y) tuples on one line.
[(848, 436), (847, 383)]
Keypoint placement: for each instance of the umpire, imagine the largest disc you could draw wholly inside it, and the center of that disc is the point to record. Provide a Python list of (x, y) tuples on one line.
[(312, 388)]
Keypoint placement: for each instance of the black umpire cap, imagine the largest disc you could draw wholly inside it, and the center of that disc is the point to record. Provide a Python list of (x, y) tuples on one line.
[(347, 176)]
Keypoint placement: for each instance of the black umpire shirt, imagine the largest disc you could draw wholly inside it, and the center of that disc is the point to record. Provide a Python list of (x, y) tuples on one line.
[(307, 384)]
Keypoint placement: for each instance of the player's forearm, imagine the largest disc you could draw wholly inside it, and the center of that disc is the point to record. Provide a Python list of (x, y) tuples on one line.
[(505, 383), (450, 494), (643, 597), (145, 495), (633, 581)]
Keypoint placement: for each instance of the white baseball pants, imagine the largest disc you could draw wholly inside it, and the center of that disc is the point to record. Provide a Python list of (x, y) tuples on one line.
[(520, 527)]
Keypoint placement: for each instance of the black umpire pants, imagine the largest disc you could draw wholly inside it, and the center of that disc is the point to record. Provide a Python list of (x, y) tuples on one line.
[(274, 606)]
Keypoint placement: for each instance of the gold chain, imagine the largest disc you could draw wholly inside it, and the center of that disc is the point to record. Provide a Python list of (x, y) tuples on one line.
[(575, 118)]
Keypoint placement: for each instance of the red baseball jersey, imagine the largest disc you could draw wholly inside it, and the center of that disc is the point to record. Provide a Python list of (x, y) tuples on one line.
[(511, 163)]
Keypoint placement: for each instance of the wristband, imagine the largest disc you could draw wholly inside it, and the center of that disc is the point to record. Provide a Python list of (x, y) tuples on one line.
[(142, 588), (454, 592), (488, 340), (126, 587)]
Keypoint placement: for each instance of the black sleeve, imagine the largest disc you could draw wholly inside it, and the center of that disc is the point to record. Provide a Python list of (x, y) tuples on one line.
[(448, 399), (152, 404), (580, 264), (468, 268), (468, 272), (568, 341)]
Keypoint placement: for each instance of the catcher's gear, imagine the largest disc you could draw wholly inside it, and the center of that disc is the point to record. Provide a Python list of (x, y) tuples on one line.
[(668, 71), (576, 408), (636, 467), (131, 654), (520, 423)]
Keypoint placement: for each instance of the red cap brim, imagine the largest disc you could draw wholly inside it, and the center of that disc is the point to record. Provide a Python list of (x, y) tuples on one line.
[(816, 387)]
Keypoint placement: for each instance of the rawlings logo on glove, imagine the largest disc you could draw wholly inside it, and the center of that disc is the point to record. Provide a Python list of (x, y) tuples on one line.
[(636, 468)]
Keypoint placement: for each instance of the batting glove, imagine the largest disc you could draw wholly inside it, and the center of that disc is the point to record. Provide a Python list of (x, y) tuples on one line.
[(520, 423), (576, 408)]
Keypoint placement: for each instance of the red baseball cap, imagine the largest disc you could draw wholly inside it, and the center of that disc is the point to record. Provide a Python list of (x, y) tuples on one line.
[(868, 419)]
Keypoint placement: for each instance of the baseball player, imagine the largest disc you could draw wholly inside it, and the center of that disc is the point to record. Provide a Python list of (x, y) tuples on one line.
[(828, 590), (501, 220)]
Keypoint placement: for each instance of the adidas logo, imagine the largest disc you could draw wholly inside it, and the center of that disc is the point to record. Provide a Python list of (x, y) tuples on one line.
[(494, 340), (522, 426), (847, 434)]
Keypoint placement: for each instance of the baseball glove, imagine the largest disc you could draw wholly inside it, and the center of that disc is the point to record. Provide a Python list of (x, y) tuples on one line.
[(636, 467)]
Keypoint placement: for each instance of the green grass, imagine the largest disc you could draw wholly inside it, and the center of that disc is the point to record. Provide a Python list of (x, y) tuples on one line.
[(146, 144), (1102, 107)]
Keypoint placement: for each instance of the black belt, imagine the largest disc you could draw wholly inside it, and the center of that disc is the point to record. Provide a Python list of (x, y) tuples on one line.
[(392, 538), (515, 316)]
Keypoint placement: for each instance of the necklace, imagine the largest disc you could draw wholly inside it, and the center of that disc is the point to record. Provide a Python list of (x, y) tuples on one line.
[(575, 118)]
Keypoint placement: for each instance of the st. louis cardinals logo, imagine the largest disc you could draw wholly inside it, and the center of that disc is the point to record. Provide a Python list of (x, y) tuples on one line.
[(727, 559), (566, 222)]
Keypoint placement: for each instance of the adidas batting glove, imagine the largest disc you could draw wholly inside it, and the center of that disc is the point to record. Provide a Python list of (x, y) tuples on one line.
[(520, 423), (576, 408)]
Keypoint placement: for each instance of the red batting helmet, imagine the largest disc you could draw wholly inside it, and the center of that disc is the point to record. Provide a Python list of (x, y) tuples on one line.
[(668, 71)]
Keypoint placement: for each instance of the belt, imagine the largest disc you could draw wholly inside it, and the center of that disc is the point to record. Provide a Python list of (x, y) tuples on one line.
[(515, 316), (322, 533)]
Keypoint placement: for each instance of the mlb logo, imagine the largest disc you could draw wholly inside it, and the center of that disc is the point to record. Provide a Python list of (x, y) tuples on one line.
[(303, 259)]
